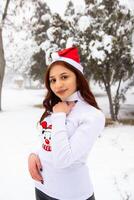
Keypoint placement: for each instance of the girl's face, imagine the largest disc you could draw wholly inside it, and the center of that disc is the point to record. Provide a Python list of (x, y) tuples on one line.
[(62, 81)]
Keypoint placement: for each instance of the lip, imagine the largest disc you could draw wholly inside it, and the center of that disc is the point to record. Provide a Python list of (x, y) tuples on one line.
[(61, 91)]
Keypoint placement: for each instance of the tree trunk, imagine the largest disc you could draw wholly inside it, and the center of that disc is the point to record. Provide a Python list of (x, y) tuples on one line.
[(111, 104), (108, 90), (2, 64), (2, 58), (117, 99)]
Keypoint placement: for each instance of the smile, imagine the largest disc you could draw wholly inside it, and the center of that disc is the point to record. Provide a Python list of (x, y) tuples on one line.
[(61, 91)]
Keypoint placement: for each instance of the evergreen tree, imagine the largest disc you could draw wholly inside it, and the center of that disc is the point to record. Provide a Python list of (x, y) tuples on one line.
[(41, 23), (49, 32), (80, 32), (104, 33), (58, 31), (110, 59), (70, 11), (75, 35), (38, 70), (71, 21)]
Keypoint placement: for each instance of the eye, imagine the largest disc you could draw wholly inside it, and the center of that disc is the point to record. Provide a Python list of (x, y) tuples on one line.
[(52, 80), (64, 77)]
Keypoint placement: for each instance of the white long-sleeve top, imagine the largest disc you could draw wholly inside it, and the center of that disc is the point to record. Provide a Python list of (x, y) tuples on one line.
[(66, 141)]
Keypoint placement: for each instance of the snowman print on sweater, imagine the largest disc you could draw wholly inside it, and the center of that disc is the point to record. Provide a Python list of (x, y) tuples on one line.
[(46, 133)]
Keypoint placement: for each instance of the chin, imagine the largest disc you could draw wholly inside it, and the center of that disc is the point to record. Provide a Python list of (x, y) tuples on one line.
[(63, 98)]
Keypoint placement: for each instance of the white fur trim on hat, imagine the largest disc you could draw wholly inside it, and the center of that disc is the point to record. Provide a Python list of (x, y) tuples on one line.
[(55, 57)]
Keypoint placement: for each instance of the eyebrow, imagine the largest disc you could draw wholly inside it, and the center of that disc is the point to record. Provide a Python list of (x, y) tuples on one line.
[(60, 74)]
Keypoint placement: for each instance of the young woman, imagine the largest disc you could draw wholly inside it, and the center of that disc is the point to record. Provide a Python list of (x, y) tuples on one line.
[(70, 125)]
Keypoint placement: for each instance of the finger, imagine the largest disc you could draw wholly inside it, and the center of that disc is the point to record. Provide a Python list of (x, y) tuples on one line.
[(38, 163), (38, 179), (36, 175), (33, 165), (71, 104)]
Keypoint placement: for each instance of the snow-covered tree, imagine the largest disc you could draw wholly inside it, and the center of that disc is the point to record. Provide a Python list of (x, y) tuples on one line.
[(79, 33), (70, 10), (17, 33), (58, 31), (40, 24), (38, 67), (110, 59), (103, 31), (40, 20), (50, 33)]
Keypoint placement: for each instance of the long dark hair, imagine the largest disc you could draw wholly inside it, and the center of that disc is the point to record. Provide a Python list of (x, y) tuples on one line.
[(82, 85)]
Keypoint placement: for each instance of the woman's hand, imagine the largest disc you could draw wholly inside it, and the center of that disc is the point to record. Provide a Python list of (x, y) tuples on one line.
[(34, 166), (63, 107)]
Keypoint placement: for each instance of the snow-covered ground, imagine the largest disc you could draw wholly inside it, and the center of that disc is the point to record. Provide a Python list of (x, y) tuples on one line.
[(111, 160)]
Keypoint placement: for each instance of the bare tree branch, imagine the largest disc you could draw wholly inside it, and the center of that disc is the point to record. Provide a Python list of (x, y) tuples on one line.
[(5, 10)]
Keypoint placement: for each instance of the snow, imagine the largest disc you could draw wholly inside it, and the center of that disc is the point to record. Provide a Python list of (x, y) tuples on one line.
[(111, 161), (113, 168), (50, 33), (70, 42), (132, 51), (45, 17), (19, 38), (49, 52), (45, 45), (84, 22), (129, 4), (107, 42), (121, 30), (101, 7), (94, 46)]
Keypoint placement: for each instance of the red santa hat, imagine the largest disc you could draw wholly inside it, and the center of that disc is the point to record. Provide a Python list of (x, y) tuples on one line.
[(69, 55)]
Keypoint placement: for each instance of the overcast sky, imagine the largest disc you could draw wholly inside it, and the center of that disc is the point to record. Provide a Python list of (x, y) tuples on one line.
[(60, 5)]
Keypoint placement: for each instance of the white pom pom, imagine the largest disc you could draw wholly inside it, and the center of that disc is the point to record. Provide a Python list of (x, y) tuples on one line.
[(55, 56)]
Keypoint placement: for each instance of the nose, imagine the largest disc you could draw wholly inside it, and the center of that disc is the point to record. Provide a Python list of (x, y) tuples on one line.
[(47, 141), (58, 85)]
